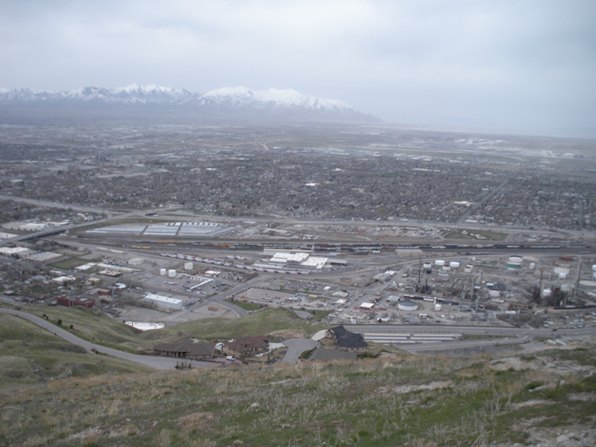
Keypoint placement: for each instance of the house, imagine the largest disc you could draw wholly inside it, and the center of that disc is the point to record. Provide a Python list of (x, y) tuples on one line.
[(246, 346), (344, 339), (187, 349), (63, 300)]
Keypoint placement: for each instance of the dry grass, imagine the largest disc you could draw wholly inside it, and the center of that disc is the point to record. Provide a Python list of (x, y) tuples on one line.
[(336, 403)]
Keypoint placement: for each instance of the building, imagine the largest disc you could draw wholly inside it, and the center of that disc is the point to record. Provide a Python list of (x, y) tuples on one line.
[(163, 302), (187, 349), (247, 346), (344, 339), (63, 300)]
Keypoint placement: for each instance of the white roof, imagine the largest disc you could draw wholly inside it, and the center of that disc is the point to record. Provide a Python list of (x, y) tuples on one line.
[(367, 305), (284, 257), (315, 261), (163, 299), (13, 250), (143, 326), (84, 267)]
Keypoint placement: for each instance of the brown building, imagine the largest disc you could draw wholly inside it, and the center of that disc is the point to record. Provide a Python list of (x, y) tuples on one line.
[(246, 346), (344, 339), (187, 349)]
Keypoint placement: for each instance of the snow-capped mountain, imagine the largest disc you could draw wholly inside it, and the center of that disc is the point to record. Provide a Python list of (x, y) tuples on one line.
[(225, 103)]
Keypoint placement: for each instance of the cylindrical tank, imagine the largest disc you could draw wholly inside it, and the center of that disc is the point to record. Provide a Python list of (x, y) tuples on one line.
[(563, 275), (438, 307), (439, 263), (408, 306), (188, 266), (454, 264), (566, 288), (494, 293), (545, 293), (514, 262), (172, 273), (594, 267), (163, 272)]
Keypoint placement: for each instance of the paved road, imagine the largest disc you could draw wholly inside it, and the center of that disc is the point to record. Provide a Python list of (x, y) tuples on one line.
[(297, 346), (150, 361)]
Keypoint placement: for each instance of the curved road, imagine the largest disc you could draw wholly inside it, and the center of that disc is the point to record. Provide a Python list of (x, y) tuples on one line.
[(150, 361)]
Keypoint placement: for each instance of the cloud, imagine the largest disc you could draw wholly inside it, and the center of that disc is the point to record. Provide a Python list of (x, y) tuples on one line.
[(457, 63)]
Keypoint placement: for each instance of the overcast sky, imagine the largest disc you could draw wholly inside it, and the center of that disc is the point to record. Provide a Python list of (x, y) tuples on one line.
[(496, 65)]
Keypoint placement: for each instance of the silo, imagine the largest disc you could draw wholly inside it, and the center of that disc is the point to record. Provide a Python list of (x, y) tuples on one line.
[(188, 266), (454, 264), (407, 306), (163, 272), (172, 273), (514, 263), (439, 263)]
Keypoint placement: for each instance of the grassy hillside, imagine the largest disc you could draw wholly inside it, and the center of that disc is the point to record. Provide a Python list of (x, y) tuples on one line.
[(94, 326), (386, 402), (260, 322), (29, 354)]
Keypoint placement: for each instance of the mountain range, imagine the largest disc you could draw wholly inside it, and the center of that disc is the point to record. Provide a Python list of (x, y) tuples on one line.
[(154, 101)]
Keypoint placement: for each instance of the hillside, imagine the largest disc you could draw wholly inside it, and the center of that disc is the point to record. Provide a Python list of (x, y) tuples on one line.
[(392, 400)]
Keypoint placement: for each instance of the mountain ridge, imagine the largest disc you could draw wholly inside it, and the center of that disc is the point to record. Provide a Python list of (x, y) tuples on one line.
[(237, 102)]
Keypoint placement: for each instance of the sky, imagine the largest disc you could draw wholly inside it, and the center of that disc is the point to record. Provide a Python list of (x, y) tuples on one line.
[(519, 66)]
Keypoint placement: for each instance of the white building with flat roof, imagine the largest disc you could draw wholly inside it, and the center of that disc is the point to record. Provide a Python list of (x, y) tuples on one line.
[(163, 302)]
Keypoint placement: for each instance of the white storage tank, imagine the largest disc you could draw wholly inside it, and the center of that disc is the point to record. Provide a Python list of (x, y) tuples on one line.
[(171, 273), (566, 288), (439, 263), (594, 267), (188, 266), (454, 264), (514, 262), (468, 268), (438, 307), (163, 272), (494, 293), (407, 305), (545, 293)]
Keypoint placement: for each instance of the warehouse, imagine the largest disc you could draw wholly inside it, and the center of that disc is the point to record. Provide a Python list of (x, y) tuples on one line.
[(163, 302)]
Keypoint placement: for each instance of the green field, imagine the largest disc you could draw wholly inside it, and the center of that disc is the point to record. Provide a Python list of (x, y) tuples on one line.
[(260, 322), (477, 235), (98, 328), (29, 354), (95, 327)]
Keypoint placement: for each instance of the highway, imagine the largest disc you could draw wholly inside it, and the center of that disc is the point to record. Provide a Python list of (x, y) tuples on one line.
[(150, 361)]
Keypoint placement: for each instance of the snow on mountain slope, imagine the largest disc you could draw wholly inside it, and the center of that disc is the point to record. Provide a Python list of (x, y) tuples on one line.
[(243, 96), (227, 102)]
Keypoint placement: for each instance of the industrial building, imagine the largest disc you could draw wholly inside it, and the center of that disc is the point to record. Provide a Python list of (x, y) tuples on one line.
[(163, 302)]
